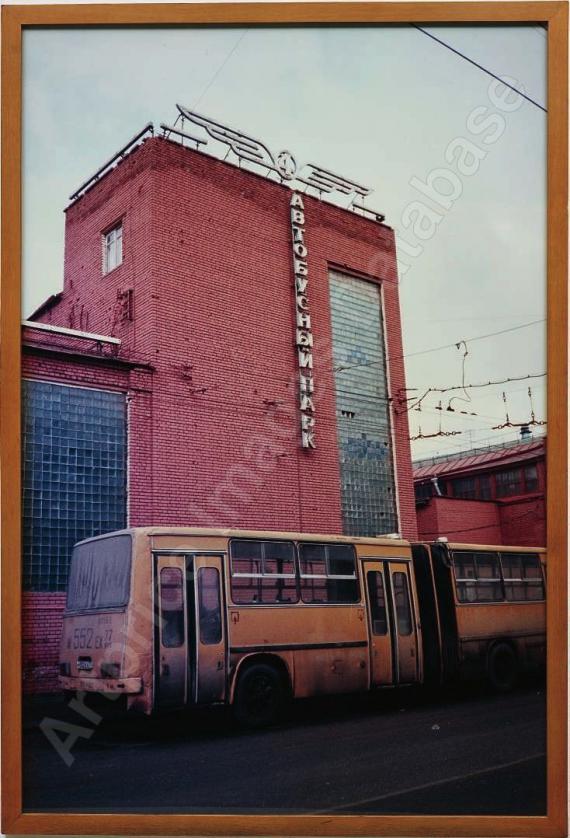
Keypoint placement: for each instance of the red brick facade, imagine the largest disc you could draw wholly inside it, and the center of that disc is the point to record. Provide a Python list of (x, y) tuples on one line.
[(471, 521), (41, 626), (516, 518), (203, 305)]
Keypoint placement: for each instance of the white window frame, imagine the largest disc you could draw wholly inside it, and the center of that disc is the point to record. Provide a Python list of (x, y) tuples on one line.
[(112, 246)]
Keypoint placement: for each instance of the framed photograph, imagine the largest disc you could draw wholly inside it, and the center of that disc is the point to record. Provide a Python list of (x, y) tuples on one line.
[(284, 420)]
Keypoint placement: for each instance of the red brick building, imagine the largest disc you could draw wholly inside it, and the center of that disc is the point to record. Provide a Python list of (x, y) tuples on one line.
[(162, 382), (485, 496)]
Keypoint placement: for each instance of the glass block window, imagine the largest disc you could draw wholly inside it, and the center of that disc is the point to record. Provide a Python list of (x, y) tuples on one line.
[(74, 475), (363, 422)]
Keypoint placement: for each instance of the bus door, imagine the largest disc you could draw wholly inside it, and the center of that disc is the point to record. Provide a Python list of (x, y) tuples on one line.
[(211, 650), (171, 631), (379, 626), (404, 629)]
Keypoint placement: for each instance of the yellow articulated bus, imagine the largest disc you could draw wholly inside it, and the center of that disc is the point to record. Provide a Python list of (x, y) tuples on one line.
[(177, 617)]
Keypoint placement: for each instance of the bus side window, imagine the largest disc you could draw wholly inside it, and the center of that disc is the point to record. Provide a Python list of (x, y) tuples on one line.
[(402, 598), (377, 602), (171, 607), (328, 573), (209, 606), (477, 576), (523, 577), (263, 572)]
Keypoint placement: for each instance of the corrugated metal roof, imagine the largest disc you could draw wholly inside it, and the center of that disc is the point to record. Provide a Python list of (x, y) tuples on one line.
[(483, 461)]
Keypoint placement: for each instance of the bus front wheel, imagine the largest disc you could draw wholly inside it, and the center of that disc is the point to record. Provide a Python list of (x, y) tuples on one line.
[(502, 667), (259, 696)]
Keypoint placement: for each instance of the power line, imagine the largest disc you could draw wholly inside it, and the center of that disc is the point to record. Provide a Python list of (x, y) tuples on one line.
[(220, 68), (418, 400), (471, 340), (479, 66), (476, 443), (439, 348)]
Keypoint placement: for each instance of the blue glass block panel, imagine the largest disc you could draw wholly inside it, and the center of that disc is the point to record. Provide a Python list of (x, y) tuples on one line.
[(67, 495), (368, 497)]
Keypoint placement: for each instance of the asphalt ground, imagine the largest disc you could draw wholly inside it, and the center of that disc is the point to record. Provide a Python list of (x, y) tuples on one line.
[(397, 752)]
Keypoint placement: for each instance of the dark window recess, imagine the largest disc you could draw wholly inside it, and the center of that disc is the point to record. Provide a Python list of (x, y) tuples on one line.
[(209, 607), (464, 487), (171, 607), (328, 573), (403, 610), (423, 491), (531, 478), (378, 619), (472, 488), (477, 576), (263, 572), (509, 482), (522, 574)]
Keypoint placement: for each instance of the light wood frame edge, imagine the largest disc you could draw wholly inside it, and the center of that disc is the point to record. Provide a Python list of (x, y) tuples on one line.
[(555, 14)]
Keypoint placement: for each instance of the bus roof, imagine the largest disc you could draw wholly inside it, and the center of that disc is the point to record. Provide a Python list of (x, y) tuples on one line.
[(455, 545), (302, 536), (237, 533)]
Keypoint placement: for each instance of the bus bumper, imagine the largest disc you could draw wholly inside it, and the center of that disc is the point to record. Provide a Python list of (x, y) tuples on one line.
[(129, 686)]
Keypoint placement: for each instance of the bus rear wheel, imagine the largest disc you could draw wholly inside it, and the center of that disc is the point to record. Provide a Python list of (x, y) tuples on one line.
[(259, 696), (502, 668)]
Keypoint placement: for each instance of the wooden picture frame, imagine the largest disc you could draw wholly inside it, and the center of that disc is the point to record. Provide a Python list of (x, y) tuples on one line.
[(14, 18)]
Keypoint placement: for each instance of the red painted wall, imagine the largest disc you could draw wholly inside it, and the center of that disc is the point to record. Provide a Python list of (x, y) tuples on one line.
[(457, 519), (519, 522)]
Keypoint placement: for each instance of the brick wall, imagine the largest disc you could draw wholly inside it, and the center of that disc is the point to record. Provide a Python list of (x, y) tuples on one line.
[(41, 631), (460, 520), (523, 521), (207, 255), (516, 522)]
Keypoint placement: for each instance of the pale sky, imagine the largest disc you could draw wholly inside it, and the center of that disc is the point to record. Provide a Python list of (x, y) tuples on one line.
[(380, 105)]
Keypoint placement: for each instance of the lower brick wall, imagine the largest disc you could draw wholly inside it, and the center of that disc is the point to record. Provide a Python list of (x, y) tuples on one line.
[(520, 522), (460, 520), (42, 616), (523, 522)]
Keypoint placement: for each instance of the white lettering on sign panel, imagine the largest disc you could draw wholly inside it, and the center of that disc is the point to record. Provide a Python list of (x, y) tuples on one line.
[(304, 335)]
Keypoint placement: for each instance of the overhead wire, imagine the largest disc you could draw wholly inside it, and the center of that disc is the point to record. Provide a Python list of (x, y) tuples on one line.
[(446, 345), (479, 66)]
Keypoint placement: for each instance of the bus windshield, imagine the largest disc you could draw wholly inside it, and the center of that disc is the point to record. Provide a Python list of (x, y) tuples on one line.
[(100, 574)]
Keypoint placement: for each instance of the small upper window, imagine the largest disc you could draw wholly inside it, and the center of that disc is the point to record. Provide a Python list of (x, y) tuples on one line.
[(113, 248)]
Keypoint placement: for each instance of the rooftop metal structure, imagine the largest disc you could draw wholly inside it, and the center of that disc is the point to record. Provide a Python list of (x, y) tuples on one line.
[(309, 176)]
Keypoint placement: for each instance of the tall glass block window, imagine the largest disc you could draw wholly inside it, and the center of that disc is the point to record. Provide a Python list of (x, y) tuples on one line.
[(363, 419), (74, 475)]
